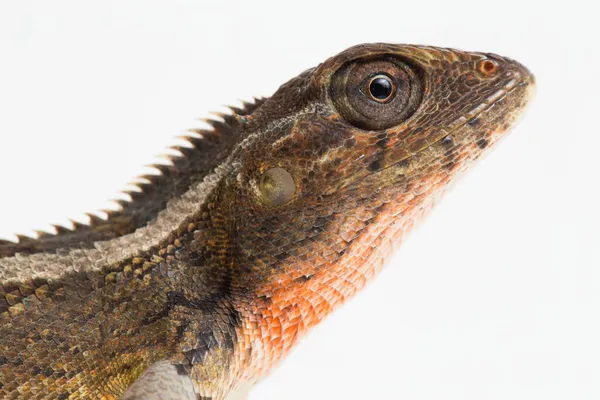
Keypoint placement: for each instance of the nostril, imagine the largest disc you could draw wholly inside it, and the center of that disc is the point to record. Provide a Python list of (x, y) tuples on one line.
[(487, 67)]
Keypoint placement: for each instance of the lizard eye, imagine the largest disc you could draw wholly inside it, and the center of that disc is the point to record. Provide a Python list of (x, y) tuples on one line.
[(376, 94), (277, 187)]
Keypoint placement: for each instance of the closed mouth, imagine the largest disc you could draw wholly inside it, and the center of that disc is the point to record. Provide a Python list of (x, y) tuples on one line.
[(489, 102), (473, 114)]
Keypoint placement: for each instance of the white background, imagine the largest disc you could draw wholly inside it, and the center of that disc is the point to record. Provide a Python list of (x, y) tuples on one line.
[(497, 296)]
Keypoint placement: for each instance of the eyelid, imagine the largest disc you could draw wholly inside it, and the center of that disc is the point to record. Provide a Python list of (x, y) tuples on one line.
[(351, 99)]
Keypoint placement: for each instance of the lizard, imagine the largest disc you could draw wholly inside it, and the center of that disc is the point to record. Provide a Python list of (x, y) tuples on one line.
[(266, 223)]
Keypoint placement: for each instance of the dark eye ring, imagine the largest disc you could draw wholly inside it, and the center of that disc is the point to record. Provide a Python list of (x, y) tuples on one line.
[(381, 88)]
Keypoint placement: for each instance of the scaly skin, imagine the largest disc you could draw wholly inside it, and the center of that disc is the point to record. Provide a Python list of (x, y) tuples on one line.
[(256, 233)]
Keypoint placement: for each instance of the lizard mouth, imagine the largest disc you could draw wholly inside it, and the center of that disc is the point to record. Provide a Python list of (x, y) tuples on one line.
[(520, 90), (527, 84)]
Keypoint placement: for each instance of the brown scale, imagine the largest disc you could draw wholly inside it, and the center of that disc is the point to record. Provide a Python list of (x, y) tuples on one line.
[(254, 235)]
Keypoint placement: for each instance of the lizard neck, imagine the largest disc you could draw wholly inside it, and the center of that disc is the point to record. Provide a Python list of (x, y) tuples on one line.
[(290, 303)]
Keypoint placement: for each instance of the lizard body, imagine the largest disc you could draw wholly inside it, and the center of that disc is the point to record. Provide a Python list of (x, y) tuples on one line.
[(259, 230)]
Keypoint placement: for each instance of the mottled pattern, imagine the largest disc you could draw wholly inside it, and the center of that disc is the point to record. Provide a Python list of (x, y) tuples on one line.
[(203, 282)]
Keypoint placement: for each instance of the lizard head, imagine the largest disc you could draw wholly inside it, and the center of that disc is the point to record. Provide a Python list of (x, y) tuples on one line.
[(346, 156), (336, 167)]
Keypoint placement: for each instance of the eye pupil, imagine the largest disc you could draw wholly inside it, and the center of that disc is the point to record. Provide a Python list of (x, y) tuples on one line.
[(381, 88)]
